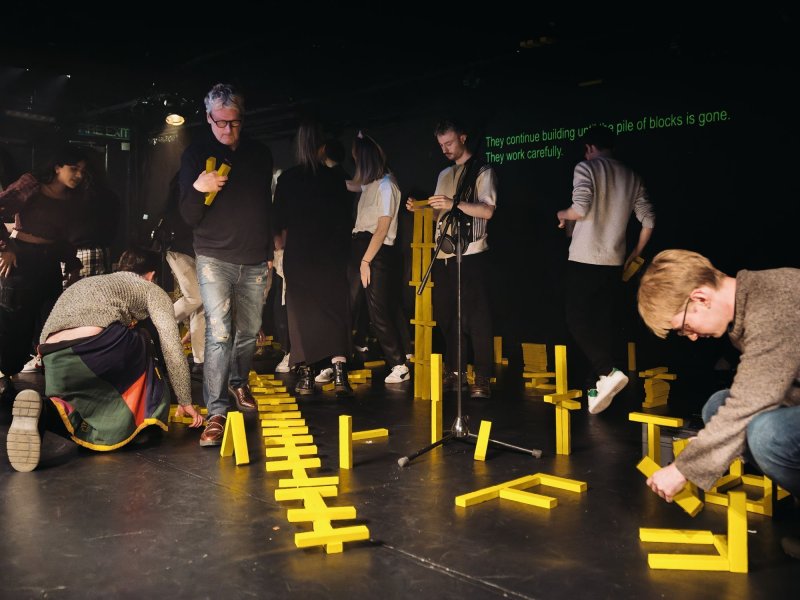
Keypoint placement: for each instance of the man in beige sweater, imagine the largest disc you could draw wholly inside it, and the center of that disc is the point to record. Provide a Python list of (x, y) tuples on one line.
[(759, 416)]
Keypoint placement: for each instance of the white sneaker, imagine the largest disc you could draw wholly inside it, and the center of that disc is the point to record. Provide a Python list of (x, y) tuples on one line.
[(283, 366), (325, 376), (23, 444), (399, 374), (608, 386), (34, 365)]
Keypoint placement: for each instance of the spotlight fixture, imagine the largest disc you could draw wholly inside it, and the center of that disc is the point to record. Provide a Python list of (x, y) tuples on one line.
[(175, 119)]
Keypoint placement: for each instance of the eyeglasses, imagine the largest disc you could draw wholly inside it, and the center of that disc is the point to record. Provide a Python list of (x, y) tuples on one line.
[(222, 123), (682, 331)]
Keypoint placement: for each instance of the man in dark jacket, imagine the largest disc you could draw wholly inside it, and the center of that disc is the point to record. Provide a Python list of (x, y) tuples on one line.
[(225, 185)]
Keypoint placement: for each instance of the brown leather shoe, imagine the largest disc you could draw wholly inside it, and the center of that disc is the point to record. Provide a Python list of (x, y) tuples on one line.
[(212, 434), (481, 388), (244, 399)]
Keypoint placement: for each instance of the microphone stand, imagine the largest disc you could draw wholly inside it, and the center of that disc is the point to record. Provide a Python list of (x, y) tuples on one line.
[(459, 430)]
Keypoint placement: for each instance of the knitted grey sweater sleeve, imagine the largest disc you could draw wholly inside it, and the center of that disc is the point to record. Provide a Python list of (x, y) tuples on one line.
[(766, 328)]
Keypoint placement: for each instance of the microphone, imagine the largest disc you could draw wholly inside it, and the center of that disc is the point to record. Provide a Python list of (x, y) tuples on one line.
[(403, 461), (223, 170)]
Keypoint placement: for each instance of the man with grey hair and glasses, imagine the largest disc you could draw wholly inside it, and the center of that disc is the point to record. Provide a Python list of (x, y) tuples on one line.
[(225, 196)]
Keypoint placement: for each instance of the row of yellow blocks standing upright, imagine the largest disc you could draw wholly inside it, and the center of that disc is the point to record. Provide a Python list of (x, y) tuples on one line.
[(289, 447)]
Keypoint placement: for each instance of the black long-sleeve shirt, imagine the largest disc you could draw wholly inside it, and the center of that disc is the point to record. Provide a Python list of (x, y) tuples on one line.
[(236, 227)]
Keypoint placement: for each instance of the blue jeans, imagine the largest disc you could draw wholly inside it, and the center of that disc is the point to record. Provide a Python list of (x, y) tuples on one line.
[(232, 295), (773, 441)]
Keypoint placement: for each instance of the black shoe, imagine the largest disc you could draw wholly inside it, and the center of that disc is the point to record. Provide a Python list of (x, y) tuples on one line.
[(7, 390), (481, 388), (197, 369), (305, 381), (450, 381), (340, 382)]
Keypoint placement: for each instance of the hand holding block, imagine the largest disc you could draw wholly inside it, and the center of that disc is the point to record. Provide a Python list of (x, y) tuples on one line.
[(223, 170), (685, 499), (635, 265)]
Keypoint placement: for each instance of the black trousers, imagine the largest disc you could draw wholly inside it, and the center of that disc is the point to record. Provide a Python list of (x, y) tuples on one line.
[(26, 299), (383, 298), (592, 292), (476, 316)]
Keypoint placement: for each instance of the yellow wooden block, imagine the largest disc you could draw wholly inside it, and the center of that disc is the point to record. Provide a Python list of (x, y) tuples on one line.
[(292, 416), (371, 364), (305, 481), (498, 349), (287, 440), (562, 483), (490, 493), (345, 442), (308, 539), (688, 562), (288, 465), (324, 491), (655, 419), (732, 548), (298, 515), (370, 434), (284, 451), (272, 421), (327, 387), (653, 372), (277, 409), (676, 536), (737, 532), (565, 399), (482, 443), (529, 498), (685, 499), (234, 439), (275, 400), (287, 430), (633, 266), (436, 374), (522, 483), (538, 374), (655, 404), (631, 356)]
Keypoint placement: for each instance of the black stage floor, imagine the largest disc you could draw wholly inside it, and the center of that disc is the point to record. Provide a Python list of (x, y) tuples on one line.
[(171, 519)]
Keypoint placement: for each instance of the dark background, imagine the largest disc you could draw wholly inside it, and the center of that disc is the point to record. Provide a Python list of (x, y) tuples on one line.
[(724, 189)]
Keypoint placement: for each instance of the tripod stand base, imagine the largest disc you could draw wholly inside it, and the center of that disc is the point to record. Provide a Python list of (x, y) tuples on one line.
[(463, 436)]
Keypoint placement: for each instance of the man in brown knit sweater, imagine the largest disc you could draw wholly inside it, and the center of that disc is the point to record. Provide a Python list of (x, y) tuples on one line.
[(759, 416)]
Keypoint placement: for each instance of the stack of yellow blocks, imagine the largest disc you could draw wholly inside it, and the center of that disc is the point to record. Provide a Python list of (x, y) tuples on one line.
[(534, 358)]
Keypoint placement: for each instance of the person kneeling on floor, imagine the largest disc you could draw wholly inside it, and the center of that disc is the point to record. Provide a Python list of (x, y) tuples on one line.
[(758, 417), (102, 348)]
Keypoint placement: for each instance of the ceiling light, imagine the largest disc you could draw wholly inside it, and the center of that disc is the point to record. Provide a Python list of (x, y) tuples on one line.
[(175, 119)]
